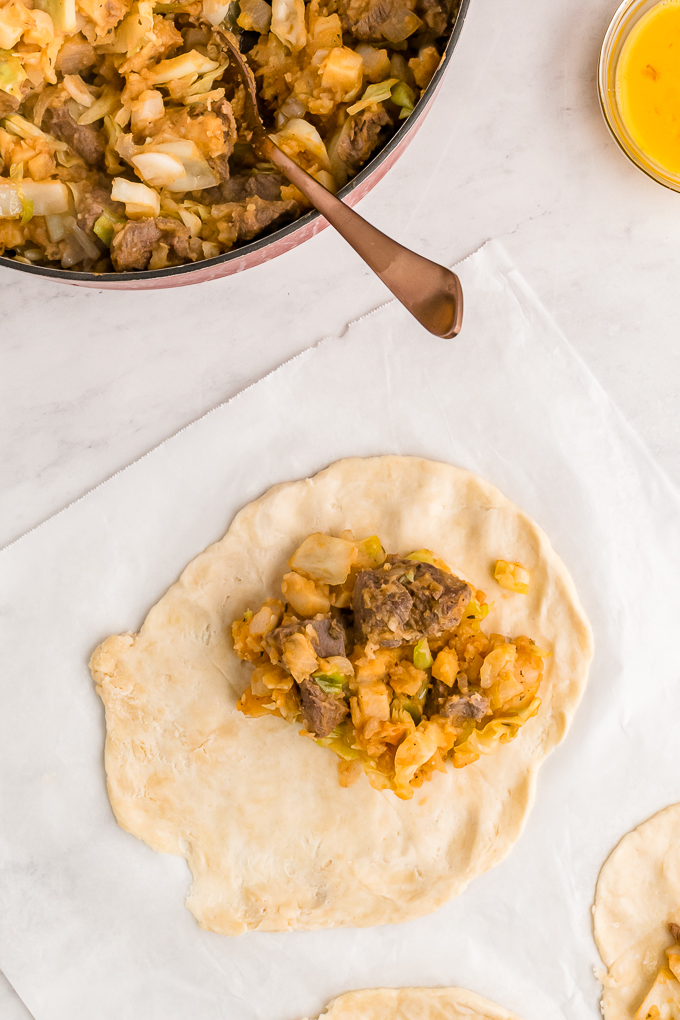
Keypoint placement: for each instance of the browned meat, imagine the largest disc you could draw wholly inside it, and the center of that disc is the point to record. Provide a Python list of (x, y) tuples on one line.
[(93, 200), (84, 139), (321, 712), (405, 600), (363, 135), (674, 929), (325, 633), (435, 14), (240, 188), (378, 20), (242, 222), (131, 247), (178, 239), (442, 701), (220, 164), (8, 104)]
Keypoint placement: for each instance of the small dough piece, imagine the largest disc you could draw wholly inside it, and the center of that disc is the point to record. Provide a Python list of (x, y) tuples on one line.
[(414, 1004), (273, 841), (637, 895)]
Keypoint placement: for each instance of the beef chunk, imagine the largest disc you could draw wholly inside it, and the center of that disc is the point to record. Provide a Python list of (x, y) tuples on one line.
[(93, 200), (435, 14), (378, 20), (326, 634), (357, 144), (242, 222), (84, 139), (321, 712), (179, 239), (131, 247), (265, 186), (405, 600), (8, 104), (220, 164), (674, 929), (442, 701)]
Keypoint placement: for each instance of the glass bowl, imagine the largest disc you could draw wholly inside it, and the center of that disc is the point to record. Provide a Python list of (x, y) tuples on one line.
[(624, 21)]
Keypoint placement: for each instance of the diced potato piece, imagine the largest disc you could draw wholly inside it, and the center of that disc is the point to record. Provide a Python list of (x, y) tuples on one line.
[(512, 576), (139, 200), (288, 23), (376, 63), (326, 32), (498, 664), (324, 558), (373, 699), (446, 667), (266, 618), (41, 32), (378, 665), (159, 169), (299, 656), (424, 65), (406, 679), (41, 166), (305, 596), (343, 71), (14, 19)]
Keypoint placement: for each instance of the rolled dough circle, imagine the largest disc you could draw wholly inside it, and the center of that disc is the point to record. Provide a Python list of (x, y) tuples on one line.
[(414, 1004), (272, 840), (637, 894)]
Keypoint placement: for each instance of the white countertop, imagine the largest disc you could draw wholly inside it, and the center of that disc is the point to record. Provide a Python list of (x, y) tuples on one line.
[(515, 147)]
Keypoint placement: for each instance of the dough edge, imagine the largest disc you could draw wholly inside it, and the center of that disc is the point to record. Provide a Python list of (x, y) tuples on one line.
[(365, 479)]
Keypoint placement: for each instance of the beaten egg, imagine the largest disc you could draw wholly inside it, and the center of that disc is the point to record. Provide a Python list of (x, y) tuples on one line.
[(648, 84)]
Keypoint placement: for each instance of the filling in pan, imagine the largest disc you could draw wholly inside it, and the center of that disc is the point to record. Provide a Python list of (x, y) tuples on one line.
[(382, 659), (122, 148)]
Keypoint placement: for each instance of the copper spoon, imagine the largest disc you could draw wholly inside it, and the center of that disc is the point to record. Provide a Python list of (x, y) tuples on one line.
[(431, 293)]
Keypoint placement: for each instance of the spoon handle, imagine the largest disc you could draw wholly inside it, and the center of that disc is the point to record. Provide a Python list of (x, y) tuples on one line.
[(431, 293)]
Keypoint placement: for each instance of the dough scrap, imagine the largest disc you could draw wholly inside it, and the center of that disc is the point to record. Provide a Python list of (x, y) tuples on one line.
[(637, 895), (272, 840), (414, 1004)]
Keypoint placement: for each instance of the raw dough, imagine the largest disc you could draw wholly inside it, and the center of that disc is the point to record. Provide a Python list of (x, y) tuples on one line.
[(273, 841), (414, 1004), (638, 893)]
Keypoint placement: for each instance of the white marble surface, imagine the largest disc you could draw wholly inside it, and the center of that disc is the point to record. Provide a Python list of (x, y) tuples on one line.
[(515, 147)]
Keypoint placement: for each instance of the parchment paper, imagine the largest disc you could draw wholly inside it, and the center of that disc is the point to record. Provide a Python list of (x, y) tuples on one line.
[(92, 923)]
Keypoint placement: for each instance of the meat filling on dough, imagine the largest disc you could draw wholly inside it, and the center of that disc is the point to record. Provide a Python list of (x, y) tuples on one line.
[(382, 659)]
